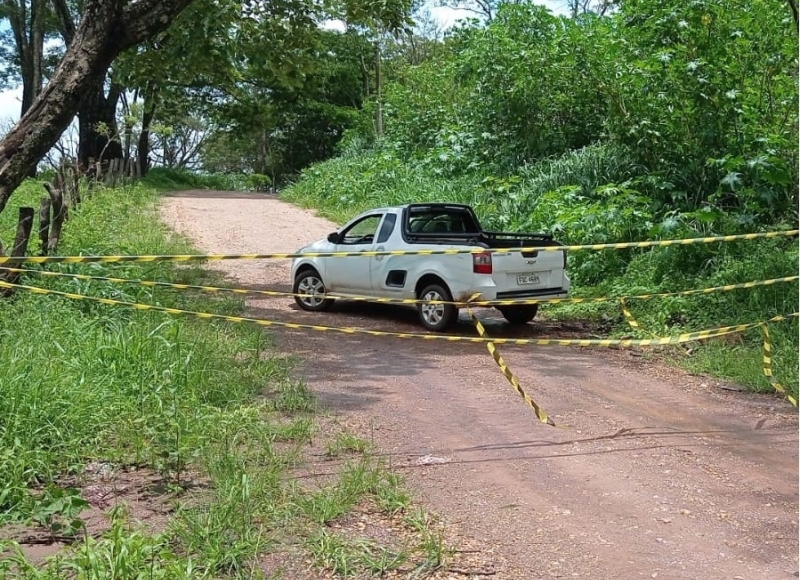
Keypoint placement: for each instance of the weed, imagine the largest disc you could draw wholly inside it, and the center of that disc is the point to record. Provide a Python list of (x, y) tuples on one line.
[(294, 397), (57, 509), (330, 551), (345, 443), (353, 557), (325, 505), (299, 430), (390, 494), (432, 546)]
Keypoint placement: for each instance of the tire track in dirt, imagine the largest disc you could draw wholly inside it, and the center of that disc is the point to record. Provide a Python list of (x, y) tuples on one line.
[(656, 473)]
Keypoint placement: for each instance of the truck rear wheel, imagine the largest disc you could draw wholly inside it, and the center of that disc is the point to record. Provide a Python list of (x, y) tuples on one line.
[(519, 315), (436, 317)]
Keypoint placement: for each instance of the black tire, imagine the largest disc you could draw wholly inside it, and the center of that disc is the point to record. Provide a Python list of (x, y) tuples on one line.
[(309, 283), (436, 317), (519, 315)]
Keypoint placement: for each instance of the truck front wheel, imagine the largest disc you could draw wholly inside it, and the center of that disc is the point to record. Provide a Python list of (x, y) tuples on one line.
[(436, 317), (310, 291), (519, 315)]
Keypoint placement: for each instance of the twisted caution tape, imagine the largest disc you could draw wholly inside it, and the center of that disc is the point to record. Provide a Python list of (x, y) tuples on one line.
[(628, 315), (362, 298), (541, 414), (767, 360), (374, 253)]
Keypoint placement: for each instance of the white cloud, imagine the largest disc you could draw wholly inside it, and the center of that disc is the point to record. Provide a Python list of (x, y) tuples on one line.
[(447, 17)]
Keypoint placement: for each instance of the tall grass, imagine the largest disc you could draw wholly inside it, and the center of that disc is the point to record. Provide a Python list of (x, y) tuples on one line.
[(342, 187), (82, 380)]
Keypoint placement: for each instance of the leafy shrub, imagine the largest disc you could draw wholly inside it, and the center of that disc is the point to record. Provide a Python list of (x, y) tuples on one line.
[(164, 178), (258, 182)]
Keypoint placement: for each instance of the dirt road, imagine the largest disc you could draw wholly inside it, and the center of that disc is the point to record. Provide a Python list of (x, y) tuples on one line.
[(653, 474)]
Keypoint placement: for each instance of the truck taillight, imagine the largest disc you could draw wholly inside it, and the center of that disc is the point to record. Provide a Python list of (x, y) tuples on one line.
[(482, 263), (564, 252)]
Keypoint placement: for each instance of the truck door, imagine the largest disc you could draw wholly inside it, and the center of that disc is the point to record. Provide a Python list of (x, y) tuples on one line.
[(352, 274), (384, 280)]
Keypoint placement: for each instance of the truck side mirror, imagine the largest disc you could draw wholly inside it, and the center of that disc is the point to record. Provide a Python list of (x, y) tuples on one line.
[(334, 238)]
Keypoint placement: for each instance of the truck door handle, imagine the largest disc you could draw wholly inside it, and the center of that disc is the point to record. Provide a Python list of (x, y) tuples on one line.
[(380, 249)]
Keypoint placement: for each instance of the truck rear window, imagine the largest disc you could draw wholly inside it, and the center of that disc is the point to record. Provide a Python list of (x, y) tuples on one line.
[(441, 221)]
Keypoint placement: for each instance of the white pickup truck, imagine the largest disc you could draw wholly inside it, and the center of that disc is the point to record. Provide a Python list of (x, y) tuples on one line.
[(496, 274)]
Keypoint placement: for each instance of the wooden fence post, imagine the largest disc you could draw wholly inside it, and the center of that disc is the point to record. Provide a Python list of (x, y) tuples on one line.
[(24, 227), (44, 223), (59, 209)]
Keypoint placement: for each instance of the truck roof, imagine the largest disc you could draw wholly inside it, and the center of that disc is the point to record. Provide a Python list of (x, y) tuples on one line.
[(431, 205)]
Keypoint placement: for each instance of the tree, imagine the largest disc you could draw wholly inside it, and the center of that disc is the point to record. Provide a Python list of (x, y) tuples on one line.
[(25, 47), (276, 90), (107, 28), (97, 128), (270, 125)]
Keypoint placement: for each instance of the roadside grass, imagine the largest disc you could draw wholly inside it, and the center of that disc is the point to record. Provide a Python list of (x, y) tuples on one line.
[(209, 408), (572, 198)]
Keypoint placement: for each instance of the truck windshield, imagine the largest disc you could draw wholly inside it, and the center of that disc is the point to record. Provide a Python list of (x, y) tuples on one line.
[(442, 221)]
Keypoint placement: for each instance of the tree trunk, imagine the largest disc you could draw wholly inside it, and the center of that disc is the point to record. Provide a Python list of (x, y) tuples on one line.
[(107, 28), (143, 148), (378, 107), (128, 128), (28, 32), (98, 137), (65, 21)]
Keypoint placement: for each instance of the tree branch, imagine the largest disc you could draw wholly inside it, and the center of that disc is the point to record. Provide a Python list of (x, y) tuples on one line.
[(65, 20), (140, 18)]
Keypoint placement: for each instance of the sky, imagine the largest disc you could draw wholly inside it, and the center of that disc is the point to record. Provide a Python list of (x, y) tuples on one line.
[(10, 100)]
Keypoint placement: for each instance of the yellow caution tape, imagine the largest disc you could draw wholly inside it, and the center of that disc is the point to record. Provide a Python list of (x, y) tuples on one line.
[(661, 341), (153, 283), (628, 316), (373, 253), (767, 356), (498, 359), (362, 298)]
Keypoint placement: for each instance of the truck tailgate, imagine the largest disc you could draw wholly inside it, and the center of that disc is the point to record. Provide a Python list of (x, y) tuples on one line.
[(531, 274)]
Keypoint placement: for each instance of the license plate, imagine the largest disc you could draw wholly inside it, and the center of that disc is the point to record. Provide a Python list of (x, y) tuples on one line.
[(527, 279)]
